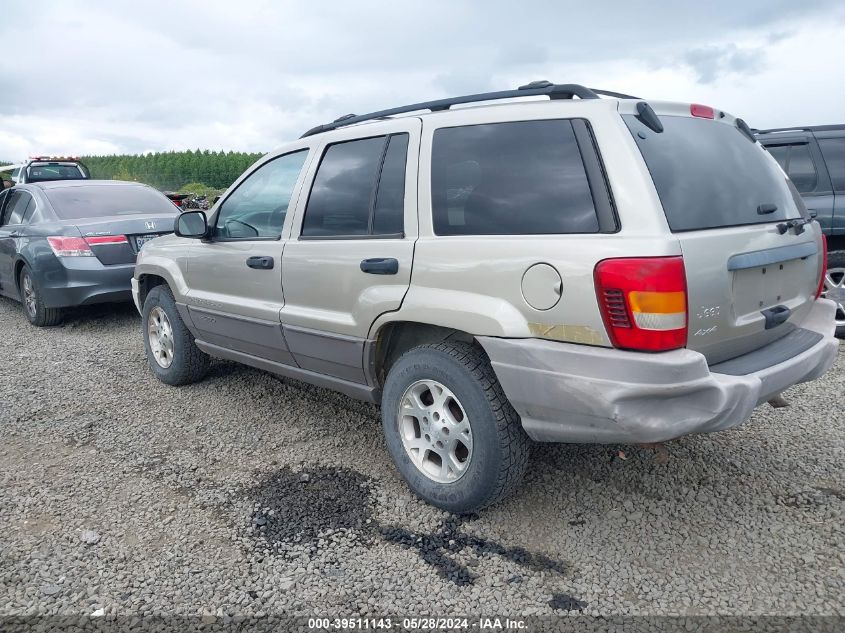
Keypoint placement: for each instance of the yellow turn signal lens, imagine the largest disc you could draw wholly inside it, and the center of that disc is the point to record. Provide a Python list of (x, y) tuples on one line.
[(658, 302)]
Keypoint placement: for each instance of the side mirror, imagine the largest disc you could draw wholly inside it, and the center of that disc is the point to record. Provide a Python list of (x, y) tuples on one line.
[(191, 224)]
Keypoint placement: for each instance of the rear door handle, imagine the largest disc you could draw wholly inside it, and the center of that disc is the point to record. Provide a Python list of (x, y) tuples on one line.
[(380, 266), (260, 262)]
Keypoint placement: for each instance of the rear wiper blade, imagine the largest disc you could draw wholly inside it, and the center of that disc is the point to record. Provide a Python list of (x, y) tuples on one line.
[(798, 225)]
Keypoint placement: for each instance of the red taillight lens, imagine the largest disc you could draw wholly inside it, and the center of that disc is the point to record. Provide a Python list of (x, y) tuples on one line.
[(643, 302), (824, 267), (69, 246), (703, 111), (106, 239)]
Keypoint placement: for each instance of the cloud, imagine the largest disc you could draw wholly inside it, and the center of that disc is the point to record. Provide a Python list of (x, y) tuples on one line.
[(175, 74), (712, 62)]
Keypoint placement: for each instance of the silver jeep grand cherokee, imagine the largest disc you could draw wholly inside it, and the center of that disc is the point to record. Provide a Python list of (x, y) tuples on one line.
[(571, 269)]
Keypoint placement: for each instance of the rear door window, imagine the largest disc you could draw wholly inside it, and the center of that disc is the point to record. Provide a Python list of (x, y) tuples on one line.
[(709, 175), (797, 161), (16, 207), (516, 178), (359, 189), (833, 150)]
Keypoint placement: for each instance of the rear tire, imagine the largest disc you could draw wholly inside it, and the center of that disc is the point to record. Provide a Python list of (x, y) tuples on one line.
[(172, 353), (467, 423), (834, 287), (33, 304)]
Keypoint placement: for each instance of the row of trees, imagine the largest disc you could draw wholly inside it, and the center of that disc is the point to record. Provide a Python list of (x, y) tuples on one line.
[(171, 171)]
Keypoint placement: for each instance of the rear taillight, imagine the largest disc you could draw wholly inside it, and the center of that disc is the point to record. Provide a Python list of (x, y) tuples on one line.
[(81, 246), (823, 273), (69, 246), (106, 239), (643, 302)]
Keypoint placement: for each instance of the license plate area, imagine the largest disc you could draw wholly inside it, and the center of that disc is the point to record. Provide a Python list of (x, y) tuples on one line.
[(140, 240), (756, 289)]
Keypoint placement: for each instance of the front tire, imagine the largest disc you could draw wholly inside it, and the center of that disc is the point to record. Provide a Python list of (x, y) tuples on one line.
[(171, 352), (834, 287), (450, 430), (33, 304)]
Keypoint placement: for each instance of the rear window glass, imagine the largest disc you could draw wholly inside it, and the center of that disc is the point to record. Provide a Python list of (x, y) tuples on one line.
[(520, 178), (93, 201), (709, 175), (42, 173)]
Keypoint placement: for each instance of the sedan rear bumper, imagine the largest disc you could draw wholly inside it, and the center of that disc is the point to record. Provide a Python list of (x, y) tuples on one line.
[(576, 393), (84, 281)]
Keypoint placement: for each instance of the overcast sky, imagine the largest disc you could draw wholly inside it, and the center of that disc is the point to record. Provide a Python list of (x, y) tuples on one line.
[(85, 77)]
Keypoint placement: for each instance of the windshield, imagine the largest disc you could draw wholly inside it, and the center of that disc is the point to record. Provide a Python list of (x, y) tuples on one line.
[(94, 201), (54, 171), (709, 175)]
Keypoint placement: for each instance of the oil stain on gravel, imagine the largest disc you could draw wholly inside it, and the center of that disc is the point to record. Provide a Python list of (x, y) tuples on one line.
[(434, 549), (296, 507), (565, 602)]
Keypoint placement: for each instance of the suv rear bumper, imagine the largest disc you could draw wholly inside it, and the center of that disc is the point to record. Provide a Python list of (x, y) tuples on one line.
[(576, 393)]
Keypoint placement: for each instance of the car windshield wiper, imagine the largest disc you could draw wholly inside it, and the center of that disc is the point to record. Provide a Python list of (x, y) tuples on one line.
[(798, 225)]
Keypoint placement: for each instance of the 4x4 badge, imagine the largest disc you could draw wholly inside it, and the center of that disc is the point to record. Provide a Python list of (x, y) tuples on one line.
[(149, 225)]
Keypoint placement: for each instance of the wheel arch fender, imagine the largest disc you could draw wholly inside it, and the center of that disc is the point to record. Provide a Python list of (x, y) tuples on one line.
[(153, 271)]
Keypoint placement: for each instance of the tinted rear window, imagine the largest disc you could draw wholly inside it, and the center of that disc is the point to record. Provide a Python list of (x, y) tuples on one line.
[(519, 178), (709, 175), (42, 173), (92, 201), (833, 150)]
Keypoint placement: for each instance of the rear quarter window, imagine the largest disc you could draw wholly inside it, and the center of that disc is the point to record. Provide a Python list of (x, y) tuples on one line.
[(515, 178), (709, 175)]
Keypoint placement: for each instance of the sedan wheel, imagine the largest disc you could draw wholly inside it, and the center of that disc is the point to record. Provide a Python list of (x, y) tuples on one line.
[(160, 335), (30, 300)]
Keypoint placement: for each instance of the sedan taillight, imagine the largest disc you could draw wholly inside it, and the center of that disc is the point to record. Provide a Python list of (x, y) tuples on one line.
[(69, 246), (81, 246)]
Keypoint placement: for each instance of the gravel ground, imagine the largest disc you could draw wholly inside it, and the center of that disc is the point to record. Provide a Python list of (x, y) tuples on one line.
[(249, 494)]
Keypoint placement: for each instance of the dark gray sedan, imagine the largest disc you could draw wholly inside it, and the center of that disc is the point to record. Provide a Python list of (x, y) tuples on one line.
[(70, 243)]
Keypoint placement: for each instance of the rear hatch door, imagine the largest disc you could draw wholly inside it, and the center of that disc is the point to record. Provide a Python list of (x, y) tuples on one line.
[(752, 257)]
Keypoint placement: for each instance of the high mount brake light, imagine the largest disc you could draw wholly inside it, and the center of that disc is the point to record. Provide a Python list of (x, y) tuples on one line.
[(702, 111), (64, 246), (824, 267), (643, 302)]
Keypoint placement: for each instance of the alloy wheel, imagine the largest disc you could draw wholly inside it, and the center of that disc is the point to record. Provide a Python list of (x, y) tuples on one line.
[(160, 336), (834, 289), (29, 299), (435, 431)]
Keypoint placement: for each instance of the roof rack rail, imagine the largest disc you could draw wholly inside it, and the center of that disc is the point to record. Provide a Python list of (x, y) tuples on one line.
[(615, 95), (805, 128), (535, 88)]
